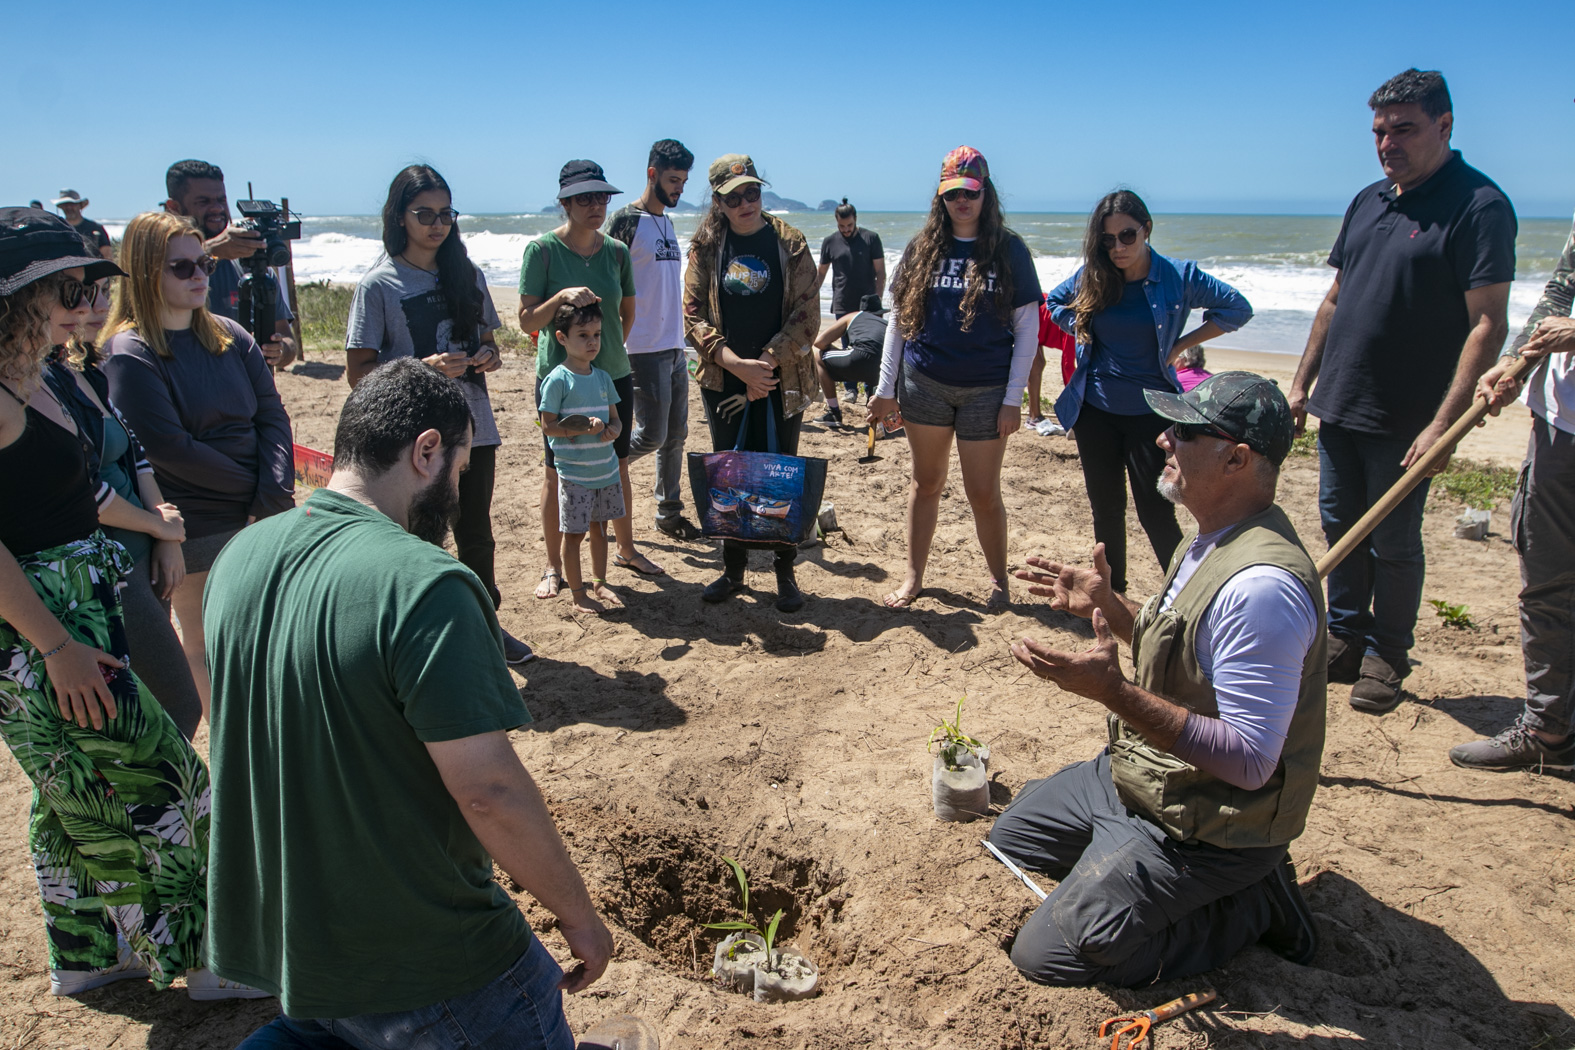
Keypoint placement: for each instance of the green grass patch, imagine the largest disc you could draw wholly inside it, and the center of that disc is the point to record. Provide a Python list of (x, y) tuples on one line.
[(324, 309), (1306, 444), (1479, 486)]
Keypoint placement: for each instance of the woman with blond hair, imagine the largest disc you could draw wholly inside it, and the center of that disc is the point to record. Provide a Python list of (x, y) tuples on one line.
[(119, 827), (958, 353), (198, 393)]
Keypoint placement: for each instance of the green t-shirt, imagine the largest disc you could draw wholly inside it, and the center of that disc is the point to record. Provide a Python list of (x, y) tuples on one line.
[(342, 876), (550, 266)]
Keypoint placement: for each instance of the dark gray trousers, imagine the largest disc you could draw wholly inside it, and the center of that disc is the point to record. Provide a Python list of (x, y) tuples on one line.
[(1542, 522), (156, 655), (1134, 905)]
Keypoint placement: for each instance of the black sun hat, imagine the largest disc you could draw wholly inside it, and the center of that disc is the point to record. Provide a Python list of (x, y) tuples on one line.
[(583, 176), (35, 244)]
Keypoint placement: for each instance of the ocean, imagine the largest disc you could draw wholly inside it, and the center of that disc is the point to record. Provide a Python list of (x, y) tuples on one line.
[(1276, 261)]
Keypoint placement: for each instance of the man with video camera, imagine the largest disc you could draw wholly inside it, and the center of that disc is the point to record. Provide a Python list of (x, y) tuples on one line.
[(196, 190)]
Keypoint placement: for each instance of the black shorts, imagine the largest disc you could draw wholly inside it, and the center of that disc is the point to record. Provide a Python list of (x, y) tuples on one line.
[(851, 365), (624, 408)]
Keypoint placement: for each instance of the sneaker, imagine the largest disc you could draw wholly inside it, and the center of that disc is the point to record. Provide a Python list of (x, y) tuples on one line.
[(1345, 660), (832, 416), (679, 528), (721, 589), (1291, 933), (789, 597), (516, 652), (205, 986), (128, 967), (1518, 747), (1377, 690)]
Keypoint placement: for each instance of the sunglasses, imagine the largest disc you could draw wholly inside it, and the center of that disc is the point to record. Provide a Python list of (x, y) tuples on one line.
[(426, 216), (591, 200), (750, 193), (73, 292), (185, 269), (1188, 431), (1127, 236), (967, 195)]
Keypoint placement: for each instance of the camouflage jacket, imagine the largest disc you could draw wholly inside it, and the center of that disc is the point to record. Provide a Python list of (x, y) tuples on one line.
[(1558, 298), (792, 346)]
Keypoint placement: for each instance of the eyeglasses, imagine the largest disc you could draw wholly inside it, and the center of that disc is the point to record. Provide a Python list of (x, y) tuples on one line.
[(186, 269), (1188, 431), (750, 193), (73, 292), (1127, 236), (591, 200), (426, 216), (967, 195)]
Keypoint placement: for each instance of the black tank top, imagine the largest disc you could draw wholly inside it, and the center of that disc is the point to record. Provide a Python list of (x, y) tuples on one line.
[(46, 497)]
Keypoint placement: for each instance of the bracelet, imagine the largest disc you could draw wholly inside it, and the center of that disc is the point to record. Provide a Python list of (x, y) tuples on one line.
[(57, 648)]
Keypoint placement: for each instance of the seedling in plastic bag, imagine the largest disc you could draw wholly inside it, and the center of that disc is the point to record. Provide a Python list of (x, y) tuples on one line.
[(953, 740)]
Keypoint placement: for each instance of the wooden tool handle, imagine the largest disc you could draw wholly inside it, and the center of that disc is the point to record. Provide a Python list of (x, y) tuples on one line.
[(1413, 477), (1176, 1007)]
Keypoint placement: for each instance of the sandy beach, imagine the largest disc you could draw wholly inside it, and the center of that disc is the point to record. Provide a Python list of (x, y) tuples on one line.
[(675, 733)]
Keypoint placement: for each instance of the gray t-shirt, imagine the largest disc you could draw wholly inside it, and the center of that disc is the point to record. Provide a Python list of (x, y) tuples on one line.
[(399, 311)]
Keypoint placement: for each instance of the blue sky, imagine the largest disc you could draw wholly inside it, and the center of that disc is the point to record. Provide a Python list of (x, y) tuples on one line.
[(1250, 107)]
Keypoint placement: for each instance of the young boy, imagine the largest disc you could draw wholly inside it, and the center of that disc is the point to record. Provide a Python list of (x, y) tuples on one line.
[(582, 396)]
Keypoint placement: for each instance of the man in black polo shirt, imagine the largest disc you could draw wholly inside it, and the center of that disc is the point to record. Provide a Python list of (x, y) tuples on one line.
[(857, 262), (1417, 313)]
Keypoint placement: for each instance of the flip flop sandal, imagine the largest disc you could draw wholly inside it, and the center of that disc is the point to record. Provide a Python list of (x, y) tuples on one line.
[(556, 587), (999, 599), (634, 566), (901, 602), (613, 601)]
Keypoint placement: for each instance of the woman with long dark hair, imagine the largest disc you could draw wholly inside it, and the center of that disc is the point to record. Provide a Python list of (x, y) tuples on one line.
[(119, 828), (751, 312), (133, 513), (963, 337), (424, 298), (199, 395), (1127, 305)]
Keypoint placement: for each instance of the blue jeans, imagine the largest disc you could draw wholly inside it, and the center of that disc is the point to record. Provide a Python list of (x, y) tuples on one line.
[(520, 1009), (1375, 592), (661, 422)]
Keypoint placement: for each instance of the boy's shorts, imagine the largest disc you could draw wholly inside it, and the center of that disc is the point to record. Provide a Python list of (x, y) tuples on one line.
[(578, 506)]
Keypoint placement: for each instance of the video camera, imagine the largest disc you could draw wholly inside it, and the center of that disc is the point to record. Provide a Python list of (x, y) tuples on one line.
[(259, 291)]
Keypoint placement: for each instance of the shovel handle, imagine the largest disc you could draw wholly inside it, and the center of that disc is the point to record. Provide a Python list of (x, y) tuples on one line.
[(1413, 477), (1177, 1007)]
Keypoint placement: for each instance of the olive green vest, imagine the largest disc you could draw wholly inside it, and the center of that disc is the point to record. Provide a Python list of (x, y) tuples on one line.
[(1189, 804)]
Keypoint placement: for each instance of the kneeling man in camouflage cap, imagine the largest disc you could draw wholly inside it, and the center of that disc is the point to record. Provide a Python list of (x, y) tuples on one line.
[(1171, 844)]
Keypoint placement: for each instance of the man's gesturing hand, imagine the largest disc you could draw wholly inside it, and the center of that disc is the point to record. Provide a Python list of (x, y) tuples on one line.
[(1071, 588), (592, 944), (1095, 673)]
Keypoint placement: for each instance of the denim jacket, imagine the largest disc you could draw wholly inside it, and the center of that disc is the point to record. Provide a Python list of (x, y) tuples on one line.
[(1174, 289)]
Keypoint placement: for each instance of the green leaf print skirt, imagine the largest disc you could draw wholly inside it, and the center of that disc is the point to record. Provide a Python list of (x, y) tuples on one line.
[(119, 829)]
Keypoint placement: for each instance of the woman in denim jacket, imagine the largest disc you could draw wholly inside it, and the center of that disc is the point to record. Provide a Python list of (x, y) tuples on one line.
[(1127, 305)]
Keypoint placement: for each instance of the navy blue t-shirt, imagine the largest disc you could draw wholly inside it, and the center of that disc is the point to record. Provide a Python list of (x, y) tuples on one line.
[(1406, 262), (981, 356), (1125, 359)]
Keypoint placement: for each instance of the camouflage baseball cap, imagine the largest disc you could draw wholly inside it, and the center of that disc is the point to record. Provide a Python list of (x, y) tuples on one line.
[(732, 170), (1243, 405)]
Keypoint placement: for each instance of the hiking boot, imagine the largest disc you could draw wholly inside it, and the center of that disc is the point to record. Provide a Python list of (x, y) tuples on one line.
[(1518, 747), (1345, 660), (832, 416), (789, 597), (1377, 689), (679, 528), (721, 589), (515, 652), (1291, 933)]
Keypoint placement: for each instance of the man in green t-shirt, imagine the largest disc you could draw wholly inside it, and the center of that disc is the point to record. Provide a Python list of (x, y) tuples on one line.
[(363, 780)]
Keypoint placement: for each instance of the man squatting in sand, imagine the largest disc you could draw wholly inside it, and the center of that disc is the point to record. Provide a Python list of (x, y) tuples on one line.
[(1214, 750)]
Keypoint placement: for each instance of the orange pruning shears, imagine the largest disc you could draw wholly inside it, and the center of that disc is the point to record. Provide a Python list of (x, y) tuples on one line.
[(1137, 1027)]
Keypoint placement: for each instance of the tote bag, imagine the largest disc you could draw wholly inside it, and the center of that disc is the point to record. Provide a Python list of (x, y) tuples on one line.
[(757, 497)]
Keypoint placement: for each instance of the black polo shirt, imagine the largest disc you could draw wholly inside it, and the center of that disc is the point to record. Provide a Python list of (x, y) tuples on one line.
[(852, 262), (1406, 262)]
